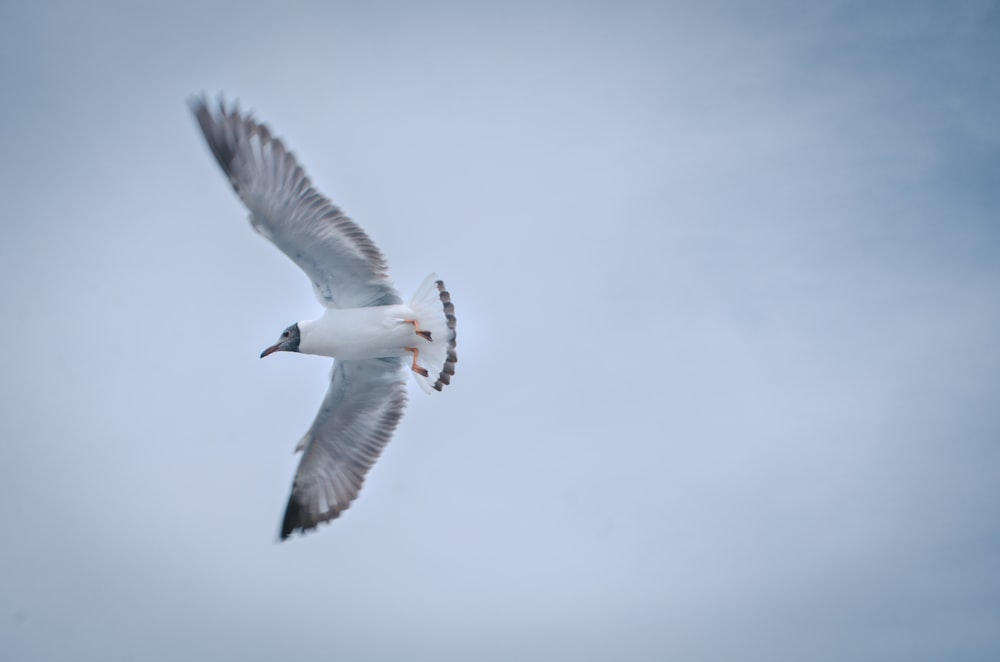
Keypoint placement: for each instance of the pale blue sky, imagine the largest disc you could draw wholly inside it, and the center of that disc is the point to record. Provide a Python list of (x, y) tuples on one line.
[(727, 284)]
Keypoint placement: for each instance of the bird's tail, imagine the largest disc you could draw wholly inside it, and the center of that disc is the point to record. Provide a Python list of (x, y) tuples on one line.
[(435, 313)]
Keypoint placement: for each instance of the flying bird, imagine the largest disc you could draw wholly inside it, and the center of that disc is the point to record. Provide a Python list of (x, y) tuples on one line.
[(373, 336)]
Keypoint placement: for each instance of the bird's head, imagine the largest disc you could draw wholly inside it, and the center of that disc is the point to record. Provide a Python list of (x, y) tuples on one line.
[(288, 342)]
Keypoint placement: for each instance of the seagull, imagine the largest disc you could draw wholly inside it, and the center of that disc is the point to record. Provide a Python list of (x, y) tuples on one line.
[(366, 327)]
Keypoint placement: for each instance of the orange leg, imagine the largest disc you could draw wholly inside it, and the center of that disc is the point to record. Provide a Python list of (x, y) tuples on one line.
[(417, 369), (426, 335)]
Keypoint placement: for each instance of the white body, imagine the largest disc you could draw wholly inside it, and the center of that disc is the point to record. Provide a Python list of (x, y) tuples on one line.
[(361, 333)]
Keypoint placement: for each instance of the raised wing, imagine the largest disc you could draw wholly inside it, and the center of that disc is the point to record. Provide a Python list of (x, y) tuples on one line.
[(356, 420), (346, 268)]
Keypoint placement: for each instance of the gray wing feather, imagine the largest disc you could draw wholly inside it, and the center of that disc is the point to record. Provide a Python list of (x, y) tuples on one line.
[(346, 268), (355, 422)]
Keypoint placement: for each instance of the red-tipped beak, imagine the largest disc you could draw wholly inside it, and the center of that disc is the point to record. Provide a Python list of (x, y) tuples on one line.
[(270, 350)]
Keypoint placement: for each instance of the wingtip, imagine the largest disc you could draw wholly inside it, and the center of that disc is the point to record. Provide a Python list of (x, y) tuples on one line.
[(292, 520), (196, 102)]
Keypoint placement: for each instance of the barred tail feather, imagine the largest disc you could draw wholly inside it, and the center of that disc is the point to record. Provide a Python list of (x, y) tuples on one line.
[(436, 313)]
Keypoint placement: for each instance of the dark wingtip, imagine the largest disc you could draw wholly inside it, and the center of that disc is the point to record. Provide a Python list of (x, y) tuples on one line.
[(218, 127), (197, 101), (298, 518), (293, 518)]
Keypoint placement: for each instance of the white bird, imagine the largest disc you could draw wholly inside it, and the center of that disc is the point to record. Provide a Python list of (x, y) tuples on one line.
[(366, 326)]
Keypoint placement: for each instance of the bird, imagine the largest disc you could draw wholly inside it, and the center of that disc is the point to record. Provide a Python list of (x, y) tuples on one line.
[(366, 327)]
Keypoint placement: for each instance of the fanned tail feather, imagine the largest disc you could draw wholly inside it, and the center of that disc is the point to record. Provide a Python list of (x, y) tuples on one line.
[(433, 306)]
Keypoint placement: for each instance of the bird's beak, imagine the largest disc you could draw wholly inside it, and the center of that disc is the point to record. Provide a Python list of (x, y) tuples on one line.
[(270, 350)]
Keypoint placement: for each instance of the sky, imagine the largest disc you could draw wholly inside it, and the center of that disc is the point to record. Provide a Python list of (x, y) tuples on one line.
[(726, 277)]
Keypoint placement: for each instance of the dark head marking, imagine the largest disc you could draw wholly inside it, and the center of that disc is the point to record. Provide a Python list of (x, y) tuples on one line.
[(288, 342)]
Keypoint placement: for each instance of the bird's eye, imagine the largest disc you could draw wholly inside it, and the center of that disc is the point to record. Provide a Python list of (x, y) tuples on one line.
[(285, 334)]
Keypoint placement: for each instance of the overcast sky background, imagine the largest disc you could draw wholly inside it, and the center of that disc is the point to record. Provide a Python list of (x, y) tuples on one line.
[(728, 297)]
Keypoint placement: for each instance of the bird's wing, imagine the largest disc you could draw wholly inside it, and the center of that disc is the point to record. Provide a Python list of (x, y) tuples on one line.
[(346, 268), (356, 420)]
